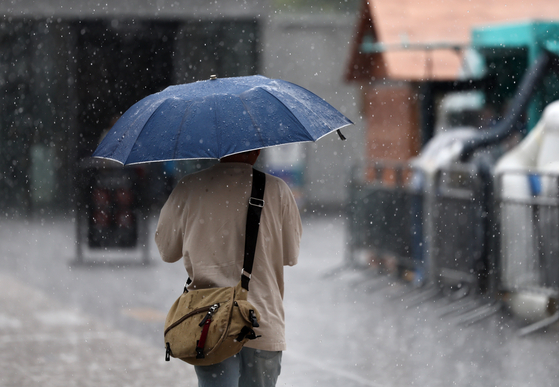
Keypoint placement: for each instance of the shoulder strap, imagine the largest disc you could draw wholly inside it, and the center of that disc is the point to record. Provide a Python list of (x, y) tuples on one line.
[(255, 205)]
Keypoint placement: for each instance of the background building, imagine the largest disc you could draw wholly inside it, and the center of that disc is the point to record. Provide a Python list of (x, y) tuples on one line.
[(311, 50), (69, 69), (406, 57)]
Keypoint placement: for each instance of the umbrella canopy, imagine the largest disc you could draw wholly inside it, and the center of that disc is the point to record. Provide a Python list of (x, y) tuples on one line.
[(218, 117)]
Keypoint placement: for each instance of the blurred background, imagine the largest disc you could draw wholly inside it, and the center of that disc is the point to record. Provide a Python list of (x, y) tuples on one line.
[(69, 70), (445, 195)]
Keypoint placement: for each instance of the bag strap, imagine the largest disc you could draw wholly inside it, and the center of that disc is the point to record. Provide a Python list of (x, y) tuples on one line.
[(255, 205)]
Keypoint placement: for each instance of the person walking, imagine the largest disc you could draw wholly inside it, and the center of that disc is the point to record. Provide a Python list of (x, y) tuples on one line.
[(203, 222)]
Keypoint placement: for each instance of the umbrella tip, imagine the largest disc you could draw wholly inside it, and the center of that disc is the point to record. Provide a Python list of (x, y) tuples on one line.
[(342, 137), (213, 77)]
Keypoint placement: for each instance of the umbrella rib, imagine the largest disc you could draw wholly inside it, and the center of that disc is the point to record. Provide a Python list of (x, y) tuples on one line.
[(258, 128), (115, 148), (160, 102), (319, 118), (217, 133), (179, 133), (289, 110)]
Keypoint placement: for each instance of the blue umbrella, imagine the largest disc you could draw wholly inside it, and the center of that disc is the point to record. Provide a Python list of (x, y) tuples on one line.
[(218, 117)]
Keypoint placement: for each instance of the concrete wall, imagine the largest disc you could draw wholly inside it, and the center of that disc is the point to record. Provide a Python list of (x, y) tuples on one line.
[(312, 51), (206, 9), (309, 50)]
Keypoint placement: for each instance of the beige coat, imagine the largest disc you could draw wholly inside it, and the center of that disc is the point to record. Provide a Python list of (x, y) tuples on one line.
[(204, 221)]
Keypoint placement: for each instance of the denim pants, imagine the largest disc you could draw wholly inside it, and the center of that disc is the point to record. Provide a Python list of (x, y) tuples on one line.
[(249, 368)]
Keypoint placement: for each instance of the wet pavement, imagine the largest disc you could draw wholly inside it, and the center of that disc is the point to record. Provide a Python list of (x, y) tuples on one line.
[(46, 343), (101, 324)]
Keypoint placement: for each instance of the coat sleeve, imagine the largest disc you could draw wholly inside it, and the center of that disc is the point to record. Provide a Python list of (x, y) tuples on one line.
[(169, 234)]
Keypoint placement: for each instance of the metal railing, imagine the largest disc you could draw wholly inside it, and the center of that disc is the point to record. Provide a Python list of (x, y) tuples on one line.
[(384, 213), (435, 226), (528, 215), (458, 218)]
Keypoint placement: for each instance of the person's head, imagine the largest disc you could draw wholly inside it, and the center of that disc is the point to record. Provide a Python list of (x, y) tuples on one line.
[(249, 157)]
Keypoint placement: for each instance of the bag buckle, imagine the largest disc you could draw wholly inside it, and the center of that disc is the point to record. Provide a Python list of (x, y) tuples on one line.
[(256, 202), (246, 273), (253, 319), (167, 352)]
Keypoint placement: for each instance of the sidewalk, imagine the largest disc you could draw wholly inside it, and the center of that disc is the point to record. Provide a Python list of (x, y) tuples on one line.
[(66, 325), (45, 344)]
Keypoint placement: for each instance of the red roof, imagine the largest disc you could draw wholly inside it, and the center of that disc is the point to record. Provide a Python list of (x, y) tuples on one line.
[(430, 23)]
